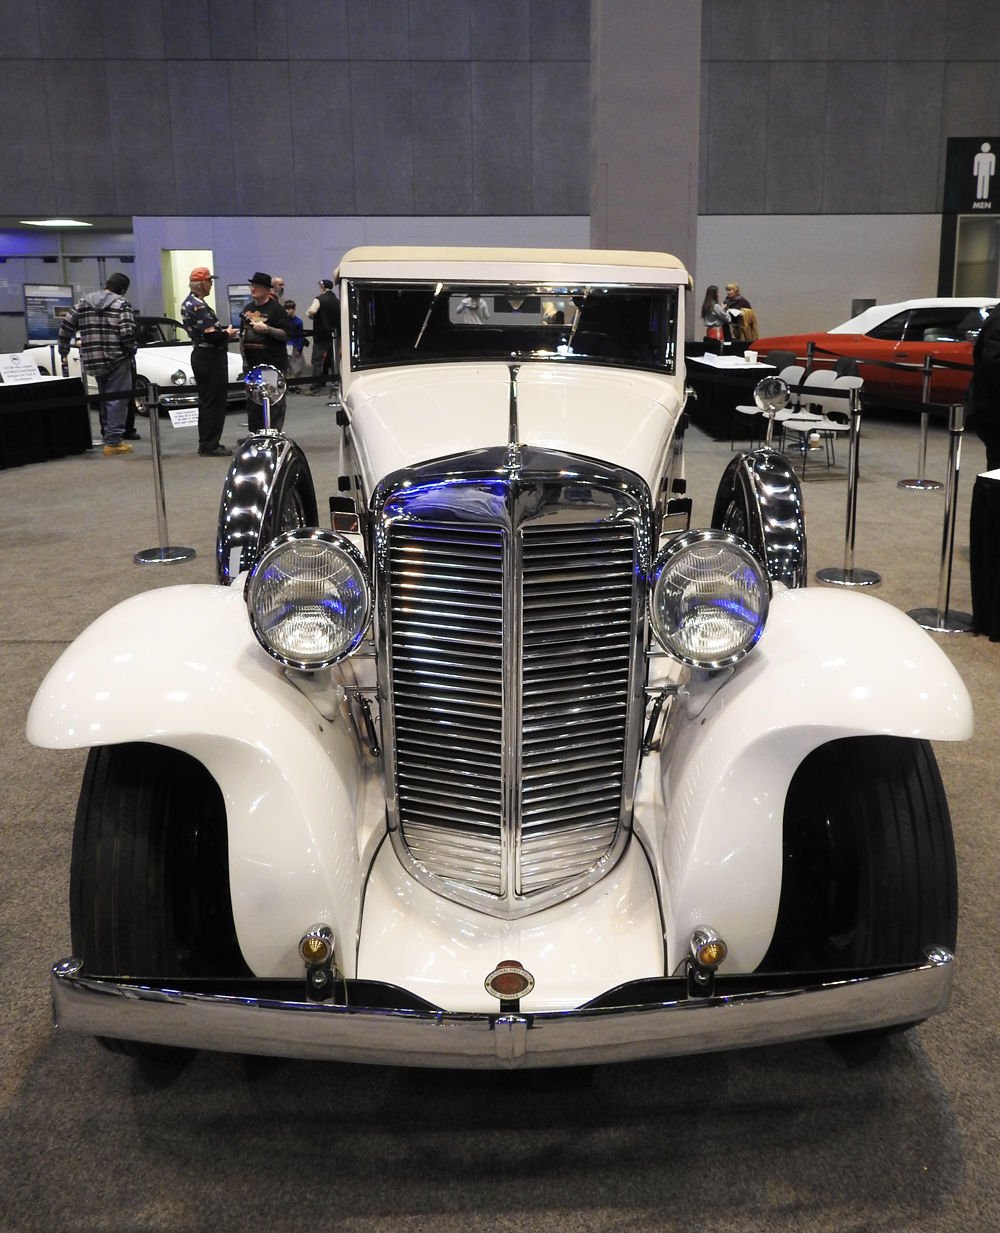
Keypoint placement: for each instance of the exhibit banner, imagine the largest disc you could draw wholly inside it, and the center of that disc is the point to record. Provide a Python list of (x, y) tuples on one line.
[(44, 306), (237, 294), (970, 180)]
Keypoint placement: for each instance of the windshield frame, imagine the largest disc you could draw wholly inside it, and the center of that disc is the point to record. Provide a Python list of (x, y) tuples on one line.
[(425, 328)]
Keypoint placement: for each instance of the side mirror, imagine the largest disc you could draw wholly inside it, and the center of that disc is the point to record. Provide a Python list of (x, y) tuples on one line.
[(771, 394)]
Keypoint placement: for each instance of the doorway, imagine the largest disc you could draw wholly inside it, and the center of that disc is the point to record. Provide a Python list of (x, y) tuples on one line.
[(176, 265), (977, 255)]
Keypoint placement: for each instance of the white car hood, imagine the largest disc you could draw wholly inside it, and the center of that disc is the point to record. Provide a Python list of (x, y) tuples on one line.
[(153, 362), (404, 416)]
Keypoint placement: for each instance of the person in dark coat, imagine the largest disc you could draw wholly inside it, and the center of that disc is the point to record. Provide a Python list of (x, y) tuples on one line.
[(983, 399), (264, 330), (209, 361)]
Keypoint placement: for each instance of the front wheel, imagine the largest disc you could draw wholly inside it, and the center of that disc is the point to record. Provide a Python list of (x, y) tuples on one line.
[(868, 875), (149, 877), (141, 396)]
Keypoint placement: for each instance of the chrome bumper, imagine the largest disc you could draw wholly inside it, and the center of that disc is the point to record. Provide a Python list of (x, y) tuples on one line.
[(646, 1025)]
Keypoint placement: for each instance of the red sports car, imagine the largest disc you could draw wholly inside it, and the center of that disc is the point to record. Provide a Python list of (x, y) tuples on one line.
[(890, 343)]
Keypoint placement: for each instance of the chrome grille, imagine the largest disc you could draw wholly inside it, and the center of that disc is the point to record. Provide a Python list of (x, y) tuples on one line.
[(576, 640), (446, 613), (512, 653)]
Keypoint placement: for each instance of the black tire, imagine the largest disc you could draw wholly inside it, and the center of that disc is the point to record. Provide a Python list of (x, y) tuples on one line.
[(149, 879), (869, 873), (142, 397)]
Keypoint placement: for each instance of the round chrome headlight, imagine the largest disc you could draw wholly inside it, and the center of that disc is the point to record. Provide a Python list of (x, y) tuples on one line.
[(309, 598), (709, 598), (178, 377)]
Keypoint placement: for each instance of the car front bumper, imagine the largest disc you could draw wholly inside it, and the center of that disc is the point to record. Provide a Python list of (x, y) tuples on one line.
[(646, 1019)]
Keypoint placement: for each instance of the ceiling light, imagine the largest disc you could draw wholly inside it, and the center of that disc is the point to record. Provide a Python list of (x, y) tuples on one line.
[(54, 222)]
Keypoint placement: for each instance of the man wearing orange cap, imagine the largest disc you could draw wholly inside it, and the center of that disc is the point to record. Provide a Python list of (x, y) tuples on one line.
[(209, 361)]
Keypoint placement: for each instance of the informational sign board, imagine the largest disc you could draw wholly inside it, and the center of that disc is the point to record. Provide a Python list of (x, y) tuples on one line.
[(183, 417), (18, 368), (972, 176), (44, 306), (238, 294)]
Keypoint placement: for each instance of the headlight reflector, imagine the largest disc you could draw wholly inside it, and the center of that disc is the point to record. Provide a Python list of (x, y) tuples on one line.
[(309, 598), (709, 598), (178, 377)]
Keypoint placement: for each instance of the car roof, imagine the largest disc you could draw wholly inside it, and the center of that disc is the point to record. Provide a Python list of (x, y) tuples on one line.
[(543, 265), (878, 313)]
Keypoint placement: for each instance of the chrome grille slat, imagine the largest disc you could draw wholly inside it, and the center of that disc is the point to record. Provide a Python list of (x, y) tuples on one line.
[(512, 643)]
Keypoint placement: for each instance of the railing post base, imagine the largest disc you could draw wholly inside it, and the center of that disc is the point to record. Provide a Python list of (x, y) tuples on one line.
[(920, 485), (849, 577), (163, 556), (950, 622)]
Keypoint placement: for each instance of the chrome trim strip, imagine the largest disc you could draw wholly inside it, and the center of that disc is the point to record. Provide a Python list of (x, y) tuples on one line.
[(319, 1030)]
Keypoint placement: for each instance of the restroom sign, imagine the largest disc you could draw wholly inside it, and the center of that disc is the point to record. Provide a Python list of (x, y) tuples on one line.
[(972, 176)]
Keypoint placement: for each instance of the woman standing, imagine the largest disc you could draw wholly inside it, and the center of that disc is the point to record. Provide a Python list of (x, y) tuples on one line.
[(714, 316)]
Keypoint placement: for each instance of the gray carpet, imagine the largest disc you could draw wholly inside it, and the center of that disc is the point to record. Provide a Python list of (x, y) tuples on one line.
[(806, 1137)]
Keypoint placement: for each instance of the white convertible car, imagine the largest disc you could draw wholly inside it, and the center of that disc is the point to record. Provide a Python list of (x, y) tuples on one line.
[(163, 359), (507, 765)]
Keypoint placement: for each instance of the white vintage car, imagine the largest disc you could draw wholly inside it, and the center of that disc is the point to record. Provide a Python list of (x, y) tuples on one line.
[(508, 766), (163, 359)]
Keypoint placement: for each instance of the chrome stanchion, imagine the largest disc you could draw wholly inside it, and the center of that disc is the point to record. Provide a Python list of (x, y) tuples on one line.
[(920, 484), (163, 555), (849, 576), (942, 619)]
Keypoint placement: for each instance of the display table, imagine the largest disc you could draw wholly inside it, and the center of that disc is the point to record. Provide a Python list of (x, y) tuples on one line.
[(43, 419), (984, 556), (720, 383)]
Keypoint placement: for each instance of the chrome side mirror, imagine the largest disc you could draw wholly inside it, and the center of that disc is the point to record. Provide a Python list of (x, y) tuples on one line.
[(771, 394), (265, 385)]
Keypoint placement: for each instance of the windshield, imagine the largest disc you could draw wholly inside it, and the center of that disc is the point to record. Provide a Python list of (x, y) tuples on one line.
[(160, 332), (419, 323)]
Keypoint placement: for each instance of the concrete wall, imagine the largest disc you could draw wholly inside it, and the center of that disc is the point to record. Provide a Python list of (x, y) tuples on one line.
[(644, 124), (841, 106), (329, 107), (802, 271)]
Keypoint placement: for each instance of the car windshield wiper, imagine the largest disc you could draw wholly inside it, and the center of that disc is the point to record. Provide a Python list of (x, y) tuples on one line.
[(576, 319), (430, 308)]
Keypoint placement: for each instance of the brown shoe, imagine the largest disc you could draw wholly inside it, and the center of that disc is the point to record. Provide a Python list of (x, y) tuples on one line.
[(122, 447)]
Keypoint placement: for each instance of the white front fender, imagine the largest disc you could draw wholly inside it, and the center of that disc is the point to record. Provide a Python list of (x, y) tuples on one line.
[(180, 667), (831, 664)]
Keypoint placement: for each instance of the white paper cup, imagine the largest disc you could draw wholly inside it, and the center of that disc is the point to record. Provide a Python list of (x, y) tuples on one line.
[(750, 357)]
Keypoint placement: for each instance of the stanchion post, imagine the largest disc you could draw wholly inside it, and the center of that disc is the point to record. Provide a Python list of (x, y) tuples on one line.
[(849, 576), (163, 555), (943, 619), (920, 484)]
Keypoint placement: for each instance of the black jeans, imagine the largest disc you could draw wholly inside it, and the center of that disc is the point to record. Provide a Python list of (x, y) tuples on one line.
[(211, 374)]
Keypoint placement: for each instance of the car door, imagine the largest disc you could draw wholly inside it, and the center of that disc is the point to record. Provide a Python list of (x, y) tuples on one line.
[(938, 333)]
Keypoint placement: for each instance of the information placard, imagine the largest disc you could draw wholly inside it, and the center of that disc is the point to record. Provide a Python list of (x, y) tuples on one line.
[(44, 307), (18, 368)]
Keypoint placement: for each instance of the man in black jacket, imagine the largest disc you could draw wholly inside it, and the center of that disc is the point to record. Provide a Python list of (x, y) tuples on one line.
[(324, 312), (983, 398), (264, 330)]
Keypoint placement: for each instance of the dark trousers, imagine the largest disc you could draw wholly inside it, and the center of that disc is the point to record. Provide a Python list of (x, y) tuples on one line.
[(322, 359), (211, 374)]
